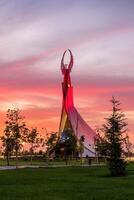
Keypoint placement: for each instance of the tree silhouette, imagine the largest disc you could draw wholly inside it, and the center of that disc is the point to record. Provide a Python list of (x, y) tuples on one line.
[(8, 145), (32, 138), (15, 127), (113, 141)]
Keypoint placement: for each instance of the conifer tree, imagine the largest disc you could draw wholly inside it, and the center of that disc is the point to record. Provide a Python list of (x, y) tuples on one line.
[(114, 130), (114, 140)]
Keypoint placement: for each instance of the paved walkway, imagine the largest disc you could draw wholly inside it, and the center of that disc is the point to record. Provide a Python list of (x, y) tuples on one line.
[(19, 167), (46, 166)]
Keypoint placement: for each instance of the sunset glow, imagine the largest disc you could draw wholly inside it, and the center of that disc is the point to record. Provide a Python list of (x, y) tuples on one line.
[(33, 37)]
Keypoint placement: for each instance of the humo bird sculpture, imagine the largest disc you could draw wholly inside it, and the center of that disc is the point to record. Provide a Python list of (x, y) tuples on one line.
[(70, 118)]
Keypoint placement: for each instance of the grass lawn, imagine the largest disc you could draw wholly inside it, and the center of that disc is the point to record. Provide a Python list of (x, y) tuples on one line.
[(66, 183)]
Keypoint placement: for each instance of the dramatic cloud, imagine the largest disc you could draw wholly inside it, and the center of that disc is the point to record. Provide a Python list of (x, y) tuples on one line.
[(33, 36)]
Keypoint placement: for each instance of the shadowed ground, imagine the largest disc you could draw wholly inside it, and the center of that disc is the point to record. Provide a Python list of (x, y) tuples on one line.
[(66, 183)]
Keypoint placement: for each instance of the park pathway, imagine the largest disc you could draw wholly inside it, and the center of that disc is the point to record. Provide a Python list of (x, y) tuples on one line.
[(46, 166)]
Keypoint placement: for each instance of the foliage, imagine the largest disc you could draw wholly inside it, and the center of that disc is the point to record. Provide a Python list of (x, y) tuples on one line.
[(51, 140), (70, 143), (81, 145), (112, 143), (100, 144), (8, 145), (67, 144), (32, 138), (15, 127), (127, 146)]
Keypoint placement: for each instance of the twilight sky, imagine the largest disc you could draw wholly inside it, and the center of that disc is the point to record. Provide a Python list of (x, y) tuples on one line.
[(33, 37)]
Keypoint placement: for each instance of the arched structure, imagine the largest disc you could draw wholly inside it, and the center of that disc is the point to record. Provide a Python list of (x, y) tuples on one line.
[(70, 118)]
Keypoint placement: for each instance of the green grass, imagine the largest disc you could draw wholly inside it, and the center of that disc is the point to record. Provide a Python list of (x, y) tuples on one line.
[(66, 183)]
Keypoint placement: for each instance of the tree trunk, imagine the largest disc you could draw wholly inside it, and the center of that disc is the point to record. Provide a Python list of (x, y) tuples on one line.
[(47, 157), (66, 158), (8, 164), (31, 155), (97, 158), (31, 159), (72, 157), (16, 155), (81, 157)]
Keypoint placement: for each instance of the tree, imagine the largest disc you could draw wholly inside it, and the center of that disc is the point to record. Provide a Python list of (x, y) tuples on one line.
[(127, 147), (15, 127), (50, 142), (8, 144), (114, 130), (31, 137), (67, 144), (81, 146), (100, 143), (70, 143)]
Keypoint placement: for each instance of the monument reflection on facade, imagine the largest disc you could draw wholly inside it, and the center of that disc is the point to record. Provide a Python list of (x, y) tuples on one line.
[(70, 118)]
